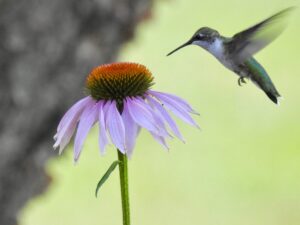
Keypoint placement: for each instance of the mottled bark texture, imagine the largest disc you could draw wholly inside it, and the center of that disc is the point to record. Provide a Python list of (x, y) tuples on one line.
[(47, 47)]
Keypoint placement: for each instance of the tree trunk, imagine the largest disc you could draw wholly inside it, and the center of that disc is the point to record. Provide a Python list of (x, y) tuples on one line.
[(47, 47)]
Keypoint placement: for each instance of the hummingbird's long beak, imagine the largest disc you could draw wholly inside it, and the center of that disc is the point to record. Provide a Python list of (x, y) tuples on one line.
[(181, 46)]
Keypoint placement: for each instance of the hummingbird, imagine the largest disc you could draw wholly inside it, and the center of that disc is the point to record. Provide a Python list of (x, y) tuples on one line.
[(236, 52)]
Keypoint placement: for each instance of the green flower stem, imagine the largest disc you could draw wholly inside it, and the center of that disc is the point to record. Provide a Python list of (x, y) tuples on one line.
[(123, 169)]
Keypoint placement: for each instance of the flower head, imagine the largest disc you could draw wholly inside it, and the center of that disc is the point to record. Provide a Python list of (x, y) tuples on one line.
[(120, 100)]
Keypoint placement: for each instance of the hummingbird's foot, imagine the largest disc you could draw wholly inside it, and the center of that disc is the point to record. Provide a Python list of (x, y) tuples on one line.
[(241, 80)]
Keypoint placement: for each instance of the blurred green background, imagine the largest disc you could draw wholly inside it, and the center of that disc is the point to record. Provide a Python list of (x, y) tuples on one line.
[(243, 167)]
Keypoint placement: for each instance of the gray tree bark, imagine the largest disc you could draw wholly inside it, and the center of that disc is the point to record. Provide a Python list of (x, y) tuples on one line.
[(47, 47)]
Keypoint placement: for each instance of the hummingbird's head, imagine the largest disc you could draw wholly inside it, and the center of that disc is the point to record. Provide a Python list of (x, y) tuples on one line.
[(203, 37)]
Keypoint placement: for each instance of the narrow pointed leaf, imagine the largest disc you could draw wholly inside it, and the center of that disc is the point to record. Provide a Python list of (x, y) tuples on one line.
[(106, 176)]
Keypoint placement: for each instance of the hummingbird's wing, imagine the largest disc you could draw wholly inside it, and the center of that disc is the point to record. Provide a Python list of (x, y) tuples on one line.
[(248, 42)]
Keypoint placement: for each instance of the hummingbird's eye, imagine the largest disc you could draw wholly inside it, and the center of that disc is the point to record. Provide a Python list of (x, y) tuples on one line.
[(200, 36)]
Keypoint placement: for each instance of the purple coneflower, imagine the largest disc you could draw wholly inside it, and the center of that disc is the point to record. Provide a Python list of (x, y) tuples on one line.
[(120, 100)]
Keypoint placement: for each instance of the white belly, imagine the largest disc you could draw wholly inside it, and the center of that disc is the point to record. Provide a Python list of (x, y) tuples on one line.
[(217, 49)]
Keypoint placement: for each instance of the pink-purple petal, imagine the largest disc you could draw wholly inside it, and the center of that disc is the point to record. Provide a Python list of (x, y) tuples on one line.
[(157, 118), (68, 125), (87, 120), (178, 110), (173, 99), (103, 140), (131, 130), (160, 140), (73, 111), (167, 117), (64, 141), (105, 109), (141, 116), (115, 127)]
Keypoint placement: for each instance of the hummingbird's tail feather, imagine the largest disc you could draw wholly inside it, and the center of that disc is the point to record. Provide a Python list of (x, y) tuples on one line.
[(273, 97), (265, 83), (260, 77)]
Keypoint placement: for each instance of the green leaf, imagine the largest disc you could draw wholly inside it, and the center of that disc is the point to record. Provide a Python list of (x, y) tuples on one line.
[(106, 175)]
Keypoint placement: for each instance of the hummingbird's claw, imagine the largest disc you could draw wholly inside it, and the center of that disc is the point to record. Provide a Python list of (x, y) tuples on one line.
[(241, 80)]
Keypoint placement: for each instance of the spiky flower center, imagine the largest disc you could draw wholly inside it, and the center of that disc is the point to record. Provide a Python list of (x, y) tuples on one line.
[(117, 81)]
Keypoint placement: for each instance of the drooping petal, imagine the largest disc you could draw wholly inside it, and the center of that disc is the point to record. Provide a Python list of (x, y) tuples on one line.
[(157, 118), (68, 124), (87, 120), (131, 130), (166, 116), (142, 116), (103, 140), (177, 110), (115, 127), (173, 98), (65, 134), (71, 117), (77, 107), (105, 109), (65, 139), (160, 140)]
